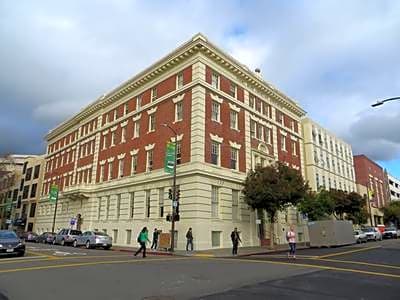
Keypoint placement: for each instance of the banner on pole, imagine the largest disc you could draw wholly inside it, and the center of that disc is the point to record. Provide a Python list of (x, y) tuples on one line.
[(53, 195), (170, 158)]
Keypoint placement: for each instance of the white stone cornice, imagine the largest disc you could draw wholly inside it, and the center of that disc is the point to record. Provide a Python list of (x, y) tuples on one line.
[(179, 138), (149, 147), (114, 128), (102, 162), (178, 98), (105, 132), (123, 124), (234, 107), (235, 145), (152, 110), (216, 138), (111, 159), (294, 138), (254, 118), (137, 117), (68, 150), (134, 151), (283, 132), (216, 98), (121, 156)]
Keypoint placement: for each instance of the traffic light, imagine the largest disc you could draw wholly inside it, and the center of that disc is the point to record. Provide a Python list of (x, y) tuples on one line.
[(170, 194), (177, 208), (178, 195)]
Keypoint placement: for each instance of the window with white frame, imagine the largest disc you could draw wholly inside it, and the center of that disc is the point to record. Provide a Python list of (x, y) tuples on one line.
[(152, 122), (149, 160), (153, 94), (131, 204), (147, 211), (215, 80), (317, 180), (134, 162), (110, 169), (267, 137), (215, 111), (136, 129), (101, 173), (283, 142), (260, 131), (138, 102), (294, 148), (107, 118), (115, 115), (112, 138), (123, 134), (178, 111), (234, 120), (214, 202), (161, 202), (107, 207), (179, 81), (118, 206), (121, 167), (233, 90), (126, 110), (215, 150), (252, 101), (178, 153), (235, 205), (234, 158), (252, 129)]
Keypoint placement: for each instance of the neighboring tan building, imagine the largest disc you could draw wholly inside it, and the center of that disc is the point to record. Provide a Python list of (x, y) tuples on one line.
[(394, 187), (109, 158), (370, 175), (328, 160)]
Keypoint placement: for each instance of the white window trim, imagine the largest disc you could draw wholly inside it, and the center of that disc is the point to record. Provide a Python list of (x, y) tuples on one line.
[(134, 152), (152, 110), (149, 129), (149, 147), (176, 112), (178, 98), (123, 124), (235, 145), (135, 133), (216, 98), (136, 118), (234, 107), (216, 138), (179, 138), (219, 112)]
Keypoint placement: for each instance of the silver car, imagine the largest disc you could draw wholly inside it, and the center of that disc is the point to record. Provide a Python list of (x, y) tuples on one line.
[(66, 236), (93, 239)]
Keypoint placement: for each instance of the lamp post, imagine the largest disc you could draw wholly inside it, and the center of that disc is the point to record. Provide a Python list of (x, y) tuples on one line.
[(378, 103), (174, 202)]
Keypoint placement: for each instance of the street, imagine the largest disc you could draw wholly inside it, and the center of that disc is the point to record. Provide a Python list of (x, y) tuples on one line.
[(367, 271)]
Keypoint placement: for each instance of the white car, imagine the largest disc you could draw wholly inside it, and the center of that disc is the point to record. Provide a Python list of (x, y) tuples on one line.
[(373, 234), (360, 236)]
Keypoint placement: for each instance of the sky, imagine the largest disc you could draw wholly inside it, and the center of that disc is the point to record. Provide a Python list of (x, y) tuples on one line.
[(335, 58)]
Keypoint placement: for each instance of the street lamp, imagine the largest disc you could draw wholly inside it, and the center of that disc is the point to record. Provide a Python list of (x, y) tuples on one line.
[(378, 103), (174, 202)]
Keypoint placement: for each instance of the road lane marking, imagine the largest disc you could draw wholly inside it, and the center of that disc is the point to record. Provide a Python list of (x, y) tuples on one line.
[(347, 252), (87, 264), (360, 263), (45, 258), (40, 254), (315, 267)]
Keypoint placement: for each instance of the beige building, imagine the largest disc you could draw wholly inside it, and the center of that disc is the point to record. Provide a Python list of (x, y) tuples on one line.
[(108, 160), (328, 159)]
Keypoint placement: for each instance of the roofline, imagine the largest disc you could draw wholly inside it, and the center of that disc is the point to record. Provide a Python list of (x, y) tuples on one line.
[(370, 160)]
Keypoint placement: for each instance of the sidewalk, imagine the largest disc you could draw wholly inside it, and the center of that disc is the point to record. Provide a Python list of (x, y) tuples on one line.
[(221, 252)]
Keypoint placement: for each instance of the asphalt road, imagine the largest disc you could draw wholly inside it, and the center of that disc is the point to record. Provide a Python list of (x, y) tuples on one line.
[(369, 271)]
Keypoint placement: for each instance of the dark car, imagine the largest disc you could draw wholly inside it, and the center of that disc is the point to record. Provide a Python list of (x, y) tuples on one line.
[(11, 244), (46, 237), (30, 236), (390, 233)]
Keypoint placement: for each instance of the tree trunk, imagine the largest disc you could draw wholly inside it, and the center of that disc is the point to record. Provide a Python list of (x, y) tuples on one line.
[(271, 231)]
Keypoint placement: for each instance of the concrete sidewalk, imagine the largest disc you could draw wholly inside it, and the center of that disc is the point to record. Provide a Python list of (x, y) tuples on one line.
[(220, 252)]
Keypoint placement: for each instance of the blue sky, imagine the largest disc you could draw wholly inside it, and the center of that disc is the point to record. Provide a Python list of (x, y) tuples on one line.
[(333, 57)]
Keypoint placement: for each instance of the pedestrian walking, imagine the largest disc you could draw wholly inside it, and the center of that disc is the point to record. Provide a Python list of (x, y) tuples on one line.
[(189, 240), (291, 238), (156, 234), (235, 241), (142, 240)]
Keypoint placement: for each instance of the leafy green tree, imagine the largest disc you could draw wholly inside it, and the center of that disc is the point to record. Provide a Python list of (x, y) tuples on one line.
[(317, 206), (391, 213), (356, 209), (273, 188)]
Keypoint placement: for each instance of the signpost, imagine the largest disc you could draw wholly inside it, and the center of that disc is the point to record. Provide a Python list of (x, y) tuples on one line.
[(53, 198)]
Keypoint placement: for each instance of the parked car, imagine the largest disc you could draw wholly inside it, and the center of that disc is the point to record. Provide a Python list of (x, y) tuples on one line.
[(28, 236), (360, 236), (93, 239), (66, 236), (11, 244), (390, 233), (46, 237), (373, 234)]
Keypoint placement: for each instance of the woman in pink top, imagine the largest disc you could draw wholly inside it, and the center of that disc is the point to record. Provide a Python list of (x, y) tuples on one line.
[(291, 238)]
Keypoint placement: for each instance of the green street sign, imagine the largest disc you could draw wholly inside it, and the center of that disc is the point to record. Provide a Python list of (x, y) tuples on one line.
[(53, 195), (170, 158), (8, 206)]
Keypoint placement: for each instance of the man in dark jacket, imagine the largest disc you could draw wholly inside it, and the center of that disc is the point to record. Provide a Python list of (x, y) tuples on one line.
[(189, 239), (235, 241), (156, 233)]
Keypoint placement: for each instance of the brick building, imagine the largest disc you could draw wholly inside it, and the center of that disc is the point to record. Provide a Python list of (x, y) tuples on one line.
[(108, 160)]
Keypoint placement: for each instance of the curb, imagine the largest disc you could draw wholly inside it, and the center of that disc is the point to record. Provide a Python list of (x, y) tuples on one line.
[(147, 252)]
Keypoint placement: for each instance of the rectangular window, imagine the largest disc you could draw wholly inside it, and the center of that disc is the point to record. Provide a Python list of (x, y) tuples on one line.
[(147, 195), (110, 167), (215, 147), (121, 167), (268, 135), (234, 120), (101, 173), (126, 110), (136, 129), (123, 135), (233, 90), (161, 202), (134, 164), (260, 132), (214, 202), (32, 210), (215, 80), (138, 102), (112, 138), (149, 165), (115, 235), (215, 111), (294, 148), (25, 193), (153, 94), (28, 175), (252, 129), (317, 180), (283, 142), (152, 123), (215, 239), (179, 111), (107, 207), (36, 172), (118, 206), (178, 153), (131, 205), (252, 101), (128, 236), (33, 190), (115, 115), (179, 81), (235, 205), (234, 159)]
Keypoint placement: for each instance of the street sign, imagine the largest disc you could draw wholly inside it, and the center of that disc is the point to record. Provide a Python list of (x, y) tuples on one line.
[(170, 158), (53, 195), (175, 203)]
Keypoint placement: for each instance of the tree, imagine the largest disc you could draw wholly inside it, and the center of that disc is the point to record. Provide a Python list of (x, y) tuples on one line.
[(317, 206), (391, 213), (356, 209), (273, 188)]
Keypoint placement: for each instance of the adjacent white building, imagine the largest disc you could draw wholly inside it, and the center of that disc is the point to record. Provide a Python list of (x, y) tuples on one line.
[(394, 187)]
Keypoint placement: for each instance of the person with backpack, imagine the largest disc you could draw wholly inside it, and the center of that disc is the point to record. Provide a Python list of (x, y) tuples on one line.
[(189, 240), (142, 240), (235, 241), (291, 238)]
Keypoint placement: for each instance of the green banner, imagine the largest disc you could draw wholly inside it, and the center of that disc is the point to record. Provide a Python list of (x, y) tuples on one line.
[(170, 158), (53, 195), (8, 206)]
